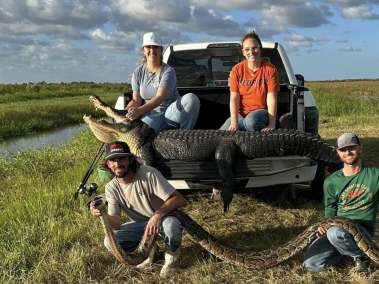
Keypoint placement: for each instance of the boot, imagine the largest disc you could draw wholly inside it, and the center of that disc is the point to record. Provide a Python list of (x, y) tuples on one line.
[(216, 194), (150, 259), (170, 259), (362, 264)]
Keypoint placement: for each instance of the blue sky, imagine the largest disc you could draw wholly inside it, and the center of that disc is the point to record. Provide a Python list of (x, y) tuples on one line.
[(99, 40)]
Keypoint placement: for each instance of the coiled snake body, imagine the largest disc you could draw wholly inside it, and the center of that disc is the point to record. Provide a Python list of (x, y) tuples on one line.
[(247, 259)]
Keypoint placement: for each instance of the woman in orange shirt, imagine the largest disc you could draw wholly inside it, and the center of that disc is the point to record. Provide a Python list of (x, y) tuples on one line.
[(254, 84)]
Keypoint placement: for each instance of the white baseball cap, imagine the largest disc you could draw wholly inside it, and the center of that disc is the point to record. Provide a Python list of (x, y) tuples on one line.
[(152, 39)]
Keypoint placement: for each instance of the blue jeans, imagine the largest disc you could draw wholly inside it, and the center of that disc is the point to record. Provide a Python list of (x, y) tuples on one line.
[(180, 114), (130, 234), (329, 250), (254, 121)]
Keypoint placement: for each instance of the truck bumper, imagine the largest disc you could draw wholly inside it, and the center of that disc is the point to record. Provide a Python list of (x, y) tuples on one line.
[(249, 173)]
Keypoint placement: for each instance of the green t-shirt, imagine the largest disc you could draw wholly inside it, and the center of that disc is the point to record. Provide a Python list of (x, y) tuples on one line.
[(355, 197)]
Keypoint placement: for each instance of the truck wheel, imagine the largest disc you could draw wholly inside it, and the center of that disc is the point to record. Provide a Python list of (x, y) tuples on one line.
[(316, 191)]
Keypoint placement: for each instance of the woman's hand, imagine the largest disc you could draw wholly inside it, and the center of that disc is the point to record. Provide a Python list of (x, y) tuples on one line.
[(268, 128), (233, 127), (134, 112)]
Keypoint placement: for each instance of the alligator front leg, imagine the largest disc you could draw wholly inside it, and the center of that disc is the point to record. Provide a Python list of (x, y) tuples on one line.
[(225, 157)]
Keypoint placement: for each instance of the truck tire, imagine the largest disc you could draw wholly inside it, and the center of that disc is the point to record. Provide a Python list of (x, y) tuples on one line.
[(316, 191)]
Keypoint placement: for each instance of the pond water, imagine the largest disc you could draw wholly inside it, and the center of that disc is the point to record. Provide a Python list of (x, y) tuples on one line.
[(39, 140)]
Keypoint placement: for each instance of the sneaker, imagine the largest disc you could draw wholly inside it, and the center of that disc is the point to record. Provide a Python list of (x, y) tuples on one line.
[(150, 259), (362, 264), (170, 259)]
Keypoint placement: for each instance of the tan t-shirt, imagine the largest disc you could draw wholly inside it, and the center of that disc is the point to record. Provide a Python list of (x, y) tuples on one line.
[(140, 198)]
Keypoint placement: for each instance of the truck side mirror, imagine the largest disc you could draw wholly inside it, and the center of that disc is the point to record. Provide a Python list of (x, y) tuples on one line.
[(300, 79)]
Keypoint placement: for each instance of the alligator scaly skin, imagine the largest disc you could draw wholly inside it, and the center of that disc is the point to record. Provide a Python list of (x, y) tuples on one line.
[(199, 145)]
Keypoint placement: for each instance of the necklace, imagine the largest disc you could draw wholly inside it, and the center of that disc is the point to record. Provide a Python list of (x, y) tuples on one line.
[(149, 70)]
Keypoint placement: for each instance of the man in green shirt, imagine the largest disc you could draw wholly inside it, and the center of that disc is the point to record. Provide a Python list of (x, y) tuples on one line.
[(350, 192)]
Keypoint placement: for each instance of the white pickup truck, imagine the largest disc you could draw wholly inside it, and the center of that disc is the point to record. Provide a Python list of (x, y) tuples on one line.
[(204, 69)]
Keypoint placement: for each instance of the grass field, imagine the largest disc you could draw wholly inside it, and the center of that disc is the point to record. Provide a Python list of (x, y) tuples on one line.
[(31, 108), (45, 239)]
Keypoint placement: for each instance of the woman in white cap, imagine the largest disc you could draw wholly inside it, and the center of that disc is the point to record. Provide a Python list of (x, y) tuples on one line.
[(155, 82)]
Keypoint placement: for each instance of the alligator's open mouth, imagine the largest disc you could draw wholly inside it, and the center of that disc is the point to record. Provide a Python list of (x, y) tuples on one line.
[(117, 115), (103, 130)]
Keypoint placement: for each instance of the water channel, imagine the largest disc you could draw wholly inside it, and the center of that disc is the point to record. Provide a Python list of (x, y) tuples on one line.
[(39, 140)]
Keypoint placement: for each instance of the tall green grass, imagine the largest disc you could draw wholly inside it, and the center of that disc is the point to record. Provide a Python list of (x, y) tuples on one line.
[(39, 228), (22, 113), (18, 93)]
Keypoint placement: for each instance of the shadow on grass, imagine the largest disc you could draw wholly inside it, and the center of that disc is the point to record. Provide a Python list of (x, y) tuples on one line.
[(280, 196)]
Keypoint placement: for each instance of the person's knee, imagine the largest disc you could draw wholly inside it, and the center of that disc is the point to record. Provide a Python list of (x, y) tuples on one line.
[(226, 125), (253, 124), (256, 120), (191, 100), (336, 234), (172, 226)]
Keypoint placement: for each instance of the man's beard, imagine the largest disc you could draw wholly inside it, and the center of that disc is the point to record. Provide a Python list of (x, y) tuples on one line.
[(353, 161), (122, 173)]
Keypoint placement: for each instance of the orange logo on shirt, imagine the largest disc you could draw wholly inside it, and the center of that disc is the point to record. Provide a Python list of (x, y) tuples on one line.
[(356, 196), (354, 193)]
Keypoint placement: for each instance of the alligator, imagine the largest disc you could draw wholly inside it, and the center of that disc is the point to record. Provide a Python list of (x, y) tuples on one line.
[(199, 145)]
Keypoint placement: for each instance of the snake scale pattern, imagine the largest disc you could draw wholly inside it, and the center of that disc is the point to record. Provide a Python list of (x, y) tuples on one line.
[(134, 258), (248, 259)]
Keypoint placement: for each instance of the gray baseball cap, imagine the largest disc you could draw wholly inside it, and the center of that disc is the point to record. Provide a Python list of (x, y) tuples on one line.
[(347, 139)]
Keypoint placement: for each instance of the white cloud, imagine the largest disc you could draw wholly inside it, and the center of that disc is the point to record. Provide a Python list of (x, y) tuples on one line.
[(265, 29), (159, 10), (213, 23), (359, 12), (52, 36), (291, 48), (296, 37), (322, 38), (44, 16), (296, 41), (113, 42), (299, 43), (243, 4), (301, 15), (350, 49)]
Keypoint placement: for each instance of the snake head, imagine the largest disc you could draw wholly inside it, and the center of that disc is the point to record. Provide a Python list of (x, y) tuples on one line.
[(98, 202)]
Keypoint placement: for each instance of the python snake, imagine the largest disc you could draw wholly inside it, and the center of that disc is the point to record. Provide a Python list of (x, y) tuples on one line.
[(247, 259), (132, 258)]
